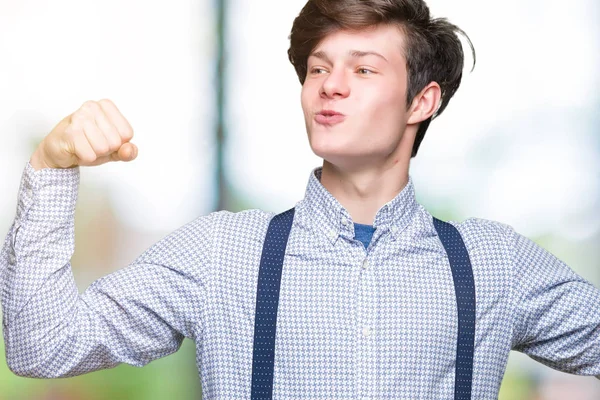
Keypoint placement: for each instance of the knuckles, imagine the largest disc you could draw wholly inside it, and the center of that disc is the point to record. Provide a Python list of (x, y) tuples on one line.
[(90, 106), (87, 113), (102, 106), (106, 103), (78, 117)]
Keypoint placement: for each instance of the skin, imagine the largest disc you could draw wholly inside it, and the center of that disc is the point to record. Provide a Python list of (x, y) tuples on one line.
[(93, 135), (366, 157)]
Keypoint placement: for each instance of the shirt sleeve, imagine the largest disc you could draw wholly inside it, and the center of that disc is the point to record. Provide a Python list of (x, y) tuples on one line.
[(134, 315), (558, 312)]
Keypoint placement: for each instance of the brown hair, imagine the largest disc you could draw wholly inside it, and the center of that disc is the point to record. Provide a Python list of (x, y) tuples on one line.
[(433, 50)]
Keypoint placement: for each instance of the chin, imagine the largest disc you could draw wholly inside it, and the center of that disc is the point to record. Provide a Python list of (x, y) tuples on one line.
[(325, 147), (336, 155), (333, 146)]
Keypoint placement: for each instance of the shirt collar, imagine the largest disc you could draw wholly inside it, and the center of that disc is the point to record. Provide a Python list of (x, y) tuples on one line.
[(327, 214)]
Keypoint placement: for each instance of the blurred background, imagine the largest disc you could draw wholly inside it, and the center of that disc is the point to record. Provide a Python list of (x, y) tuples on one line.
[(215, 106)]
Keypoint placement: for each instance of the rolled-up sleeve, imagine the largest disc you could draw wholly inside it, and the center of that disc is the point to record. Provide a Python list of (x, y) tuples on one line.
[(557, 320), (134, 315)]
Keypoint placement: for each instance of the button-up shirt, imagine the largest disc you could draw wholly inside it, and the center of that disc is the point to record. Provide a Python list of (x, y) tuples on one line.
[(354, 322)]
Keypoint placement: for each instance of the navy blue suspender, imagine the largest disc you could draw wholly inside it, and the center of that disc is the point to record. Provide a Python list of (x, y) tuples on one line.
[(267, 298), (464, 288)]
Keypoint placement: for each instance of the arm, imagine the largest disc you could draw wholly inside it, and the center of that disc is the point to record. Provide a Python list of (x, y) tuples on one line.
[(133, 315), (558, 312)]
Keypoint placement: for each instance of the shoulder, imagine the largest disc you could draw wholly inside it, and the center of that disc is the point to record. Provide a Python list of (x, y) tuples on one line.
[(480, 234), (245, 220), (197, 238)]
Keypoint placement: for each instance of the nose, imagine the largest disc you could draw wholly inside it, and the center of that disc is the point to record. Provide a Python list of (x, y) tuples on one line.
[(335, 85)]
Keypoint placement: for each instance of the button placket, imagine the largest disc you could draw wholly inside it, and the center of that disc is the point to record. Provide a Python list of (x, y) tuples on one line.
[(366, 377)]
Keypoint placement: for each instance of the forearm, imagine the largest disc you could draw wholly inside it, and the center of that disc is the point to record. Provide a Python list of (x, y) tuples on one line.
[(128, 316), (39, 295), (49, 329)]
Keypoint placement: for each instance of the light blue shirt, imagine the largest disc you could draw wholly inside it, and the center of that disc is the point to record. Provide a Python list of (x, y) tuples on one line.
[(354, 321)]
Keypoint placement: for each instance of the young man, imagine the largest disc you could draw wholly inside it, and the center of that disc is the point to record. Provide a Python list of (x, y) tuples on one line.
[(368, 297)]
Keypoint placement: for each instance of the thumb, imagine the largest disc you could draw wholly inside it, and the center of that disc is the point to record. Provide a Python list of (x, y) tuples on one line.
[(127, 152)]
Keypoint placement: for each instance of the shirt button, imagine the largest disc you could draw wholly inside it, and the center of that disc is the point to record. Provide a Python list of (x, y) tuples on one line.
[(345, 221), (367, 331), (365, 264), (332, 234), (394, 229)]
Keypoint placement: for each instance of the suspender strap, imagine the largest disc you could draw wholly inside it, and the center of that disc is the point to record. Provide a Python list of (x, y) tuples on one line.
[(464, 287), (267, 299)]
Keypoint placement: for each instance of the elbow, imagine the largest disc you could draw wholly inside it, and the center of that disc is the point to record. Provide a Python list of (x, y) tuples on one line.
[(21, 370), (22, 365), (29, 372), (26, 358)]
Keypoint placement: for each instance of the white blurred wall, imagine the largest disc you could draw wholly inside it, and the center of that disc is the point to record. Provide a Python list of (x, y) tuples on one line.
[(516, 144), (153, 59)]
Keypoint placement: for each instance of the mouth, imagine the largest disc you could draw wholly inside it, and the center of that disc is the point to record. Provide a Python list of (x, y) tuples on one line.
[(329, 117)]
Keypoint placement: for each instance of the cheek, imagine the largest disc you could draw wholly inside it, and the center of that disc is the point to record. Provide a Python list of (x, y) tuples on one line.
[(393, 102), (304, 99), (382, 106), (385, 117)]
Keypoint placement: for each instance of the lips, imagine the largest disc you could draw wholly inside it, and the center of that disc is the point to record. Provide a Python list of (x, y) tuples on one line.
[(329, 117)]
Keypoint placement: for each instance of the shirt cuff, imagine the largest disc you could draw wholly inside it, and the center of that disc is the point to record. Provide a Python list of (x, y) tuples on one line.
[(49, 194)]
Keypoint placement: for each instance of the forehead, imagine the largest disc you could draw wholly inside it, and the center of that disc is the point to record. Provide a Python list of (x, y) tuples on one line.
[(387, 40)]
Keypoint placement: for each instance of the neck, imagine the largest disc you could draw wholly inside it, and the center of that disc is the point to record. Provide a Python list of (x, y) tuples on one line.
[(363, 191)]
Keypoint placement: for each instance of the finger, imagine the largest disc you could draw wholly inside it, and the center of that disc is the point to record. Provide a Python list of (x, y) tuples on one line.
[(96, 138), (118, 120), (127, 152), (108, 130), (82, 149)]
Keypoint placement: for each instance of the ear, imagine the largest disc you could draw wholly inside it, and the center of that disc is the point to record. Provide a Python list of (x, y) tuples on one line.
[(425, 103)]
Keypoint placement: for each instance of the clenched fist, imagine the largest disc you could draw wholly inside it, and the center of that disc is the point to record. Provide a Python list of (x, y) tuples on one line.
[(94, 134)]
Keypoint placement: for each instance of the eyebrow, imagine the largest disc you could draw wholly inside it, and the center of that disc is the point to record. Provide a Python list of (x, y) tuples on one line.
[(353, 53)]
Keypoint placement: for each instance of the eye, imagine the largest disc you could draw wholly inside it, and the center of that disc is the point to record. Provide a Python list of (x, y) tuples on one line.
[(317, 70), (365, 71)]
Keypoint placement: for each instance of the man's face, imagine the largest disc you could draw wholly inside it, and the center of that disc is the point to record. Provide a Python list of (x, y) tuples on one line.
[(362, 75)]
